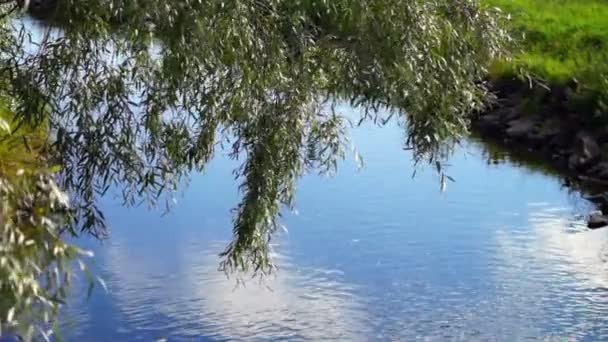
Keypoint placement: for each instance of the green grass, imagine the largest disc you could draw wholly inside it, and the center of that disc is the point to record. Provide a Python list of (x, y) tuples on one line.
[(563, 39)]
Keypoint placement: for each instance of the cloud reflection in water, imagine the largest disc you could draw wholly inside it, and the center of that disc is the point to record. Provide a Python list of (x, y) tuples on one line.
[(555, 274), (197, 300)]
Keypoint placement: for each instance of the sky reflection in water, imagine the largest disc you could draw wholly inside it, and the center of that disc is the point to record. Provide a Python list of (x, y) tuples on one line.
[(372, 255)]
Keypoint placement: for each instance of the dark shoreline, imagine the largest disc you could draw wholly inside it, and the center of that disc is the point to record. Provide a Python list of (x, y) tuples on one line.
[(544, 124)]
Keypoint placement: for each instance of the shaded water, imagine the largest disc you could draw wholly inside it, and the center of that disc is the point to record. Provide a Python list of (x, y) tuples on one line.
[(372, 255)]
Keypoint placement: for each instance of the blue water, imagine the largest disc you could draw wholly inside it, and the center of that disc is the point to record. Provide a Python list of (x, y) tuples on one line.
[(372, 254)]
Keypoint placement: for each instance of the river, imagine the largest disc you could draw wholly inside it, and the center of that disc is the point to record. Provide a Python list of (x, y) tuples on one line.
[(372, 254)]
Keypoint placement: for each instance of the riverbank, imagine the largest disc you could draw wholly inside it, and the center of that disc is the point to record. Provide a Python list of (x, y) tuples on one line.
[(541, 122), (563, 55), (558, 112), (562, 46)]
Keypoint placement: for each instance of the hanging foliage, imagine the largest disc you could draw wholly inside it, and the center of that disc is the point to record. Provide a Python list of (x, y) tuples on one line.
[(137, 94)]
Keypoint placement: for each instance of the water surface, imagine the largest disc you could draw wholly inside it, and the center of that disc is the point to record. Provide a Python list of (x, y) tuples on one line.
[(373, 254)]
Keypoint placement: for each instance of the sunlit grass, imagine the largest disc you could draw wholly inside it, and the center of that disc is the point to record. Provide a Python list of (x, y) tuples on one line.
[(563, 39)]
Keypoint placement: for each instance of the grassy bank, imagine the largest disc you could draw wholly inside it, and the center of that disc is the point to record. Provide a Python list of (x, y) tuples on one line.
[(563, 40)]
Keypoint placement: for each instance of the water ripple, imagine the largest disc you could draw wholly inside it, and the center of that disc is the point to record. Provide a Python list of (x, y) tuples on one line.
[(503, 255), (298, 304)]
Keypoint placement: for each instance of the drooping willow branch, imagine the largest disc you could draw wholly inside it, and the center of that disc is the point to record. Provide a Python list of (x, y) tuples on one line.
[(138, 94)]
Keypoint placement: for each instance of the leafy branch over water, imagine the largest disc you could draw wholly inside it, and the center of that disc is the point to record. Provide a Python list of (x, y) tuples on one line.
[(138, 94)]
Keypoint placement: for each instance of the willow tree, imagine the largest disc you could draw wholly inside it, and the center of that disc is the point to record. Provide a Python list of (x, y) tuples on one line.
[(139, 93)]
